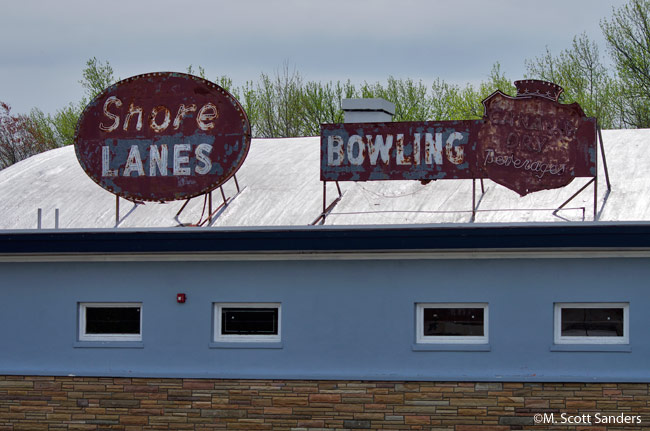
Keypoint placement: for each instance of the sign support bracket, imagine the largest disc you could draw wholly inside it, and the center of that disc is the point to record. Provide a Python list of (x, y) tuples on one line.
[(473, 199), (594, 180), (602, 155), (117, 209), (208, 200), (328, 209), (474, 203)]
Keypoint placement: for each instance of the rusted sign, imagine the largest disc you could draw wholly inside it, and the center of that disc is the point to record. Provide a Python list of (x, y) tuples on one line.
[(531, 142), (406, 150), (162, 136), (526, 143)]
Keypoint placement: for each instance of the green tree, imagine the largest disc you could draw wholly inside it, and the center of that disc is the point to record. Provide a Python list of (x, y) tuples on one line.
[(496, 80), (247, 97), (41, 128), (245, 94), (442, 99), (628, 37), (453, 102), (19, 137), (283, 105), (58, 130), (411, 99), (580, 71), (321, 103), (200, 72), (279, 103), (96, 77), (64, 123)]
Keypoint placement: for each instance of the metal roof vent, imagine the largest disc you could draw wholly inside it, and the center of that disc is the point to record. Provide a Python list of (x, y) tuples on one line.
[(367, 110)]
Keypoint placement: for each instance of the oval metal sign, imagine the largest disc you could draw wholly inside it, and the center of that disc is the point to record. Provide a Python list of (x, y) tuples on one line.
[(162, 136)]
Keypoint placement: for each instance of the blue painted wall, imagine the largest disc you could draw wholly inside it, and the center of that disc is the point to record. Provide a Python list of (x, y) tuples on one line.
[(340, 319)]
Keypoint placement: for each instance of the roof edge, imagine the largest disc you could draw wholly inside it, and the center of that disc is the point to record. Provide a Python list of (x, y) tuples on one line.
[(331, 239)]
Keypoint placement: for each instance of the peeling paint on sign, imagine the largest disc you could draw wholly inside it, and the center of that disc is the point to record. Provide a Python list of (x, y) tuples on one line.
[(407, 150), (162, 136), (531, 142), (526, 143)]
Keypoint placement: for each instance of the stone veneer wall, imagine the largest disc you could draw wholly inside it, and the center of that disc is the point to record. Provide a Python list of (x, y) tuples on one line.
[(88, 403)]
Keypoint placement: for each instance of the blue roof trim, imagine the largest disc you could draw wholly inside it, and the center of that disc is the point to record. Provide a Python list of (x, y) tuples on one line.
[(328, 239)]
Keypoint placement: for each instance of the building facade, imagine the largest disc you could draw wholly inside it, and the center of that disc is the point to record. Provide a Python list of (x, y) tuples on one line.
[(408, 306), (352, 344)]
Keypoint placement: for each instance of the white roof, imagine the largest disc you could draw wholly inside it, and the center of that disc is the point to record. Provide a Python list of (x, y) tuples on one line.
[(280, 186)]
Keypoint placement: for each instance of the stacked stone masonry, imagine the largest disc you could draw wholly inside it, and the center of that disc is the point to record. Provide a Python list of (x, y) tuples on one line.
[(129, 404)]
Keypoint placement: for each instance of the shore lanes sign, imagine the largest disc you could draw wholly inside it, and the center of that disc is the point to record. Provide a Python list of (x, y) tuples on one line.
[(162, 136), (526, 143)]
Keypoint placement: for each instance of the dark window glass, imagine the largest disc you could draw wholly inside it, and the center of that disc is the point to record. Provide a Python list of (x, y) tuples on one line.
[(453, 321), (249, 321), (592, 322), (112, 320)]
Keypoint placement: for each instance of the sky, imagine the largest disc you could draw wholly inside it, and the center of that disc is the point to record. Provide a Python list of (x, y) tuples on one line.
[(46, 43)]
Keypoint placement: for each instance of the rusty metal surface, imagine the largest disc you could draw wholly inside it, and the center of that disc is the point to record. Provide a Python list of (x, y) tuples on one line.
[(162, 136), (531, 142), (525, 143), (426, 150)]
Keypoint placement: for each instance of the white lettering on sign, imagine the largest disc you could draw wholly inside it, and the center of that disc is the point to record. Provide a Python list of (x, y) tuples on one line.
[(181, 159), (356, 141), (401, 158), (491, 157), (116, 119), (416, 148), (158, 157), (378, 148), (106, 161), (133, 110), (455, 153), (134, 162), (182, 110), (433, 151), (160, 116), (202, 152), (154, 113), (334, 150), (207, 114)]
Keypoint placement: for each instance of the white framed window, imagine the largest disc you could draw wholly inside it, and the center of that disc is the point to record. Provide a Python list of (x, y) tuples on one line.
[(110, 321), (452, 323), (247, 322), (591, 323)]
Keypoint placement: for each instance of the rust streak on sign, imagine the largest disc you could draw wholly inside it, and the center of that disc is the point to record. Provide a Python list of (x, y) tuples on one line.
[(526, 143), (162, 136), (531, 142), (405, 150)]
